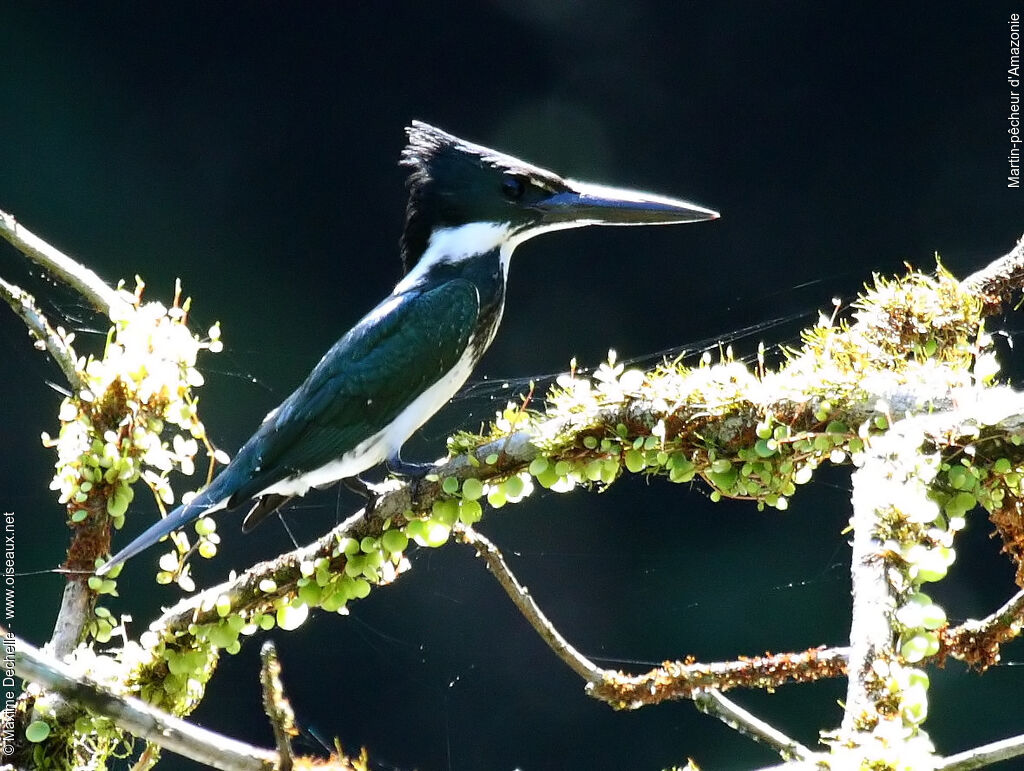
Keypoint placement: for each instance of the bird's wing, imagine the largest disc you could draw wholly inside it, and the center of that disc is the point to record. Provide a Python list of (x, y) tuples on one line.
[(362, 384), (399, 349)]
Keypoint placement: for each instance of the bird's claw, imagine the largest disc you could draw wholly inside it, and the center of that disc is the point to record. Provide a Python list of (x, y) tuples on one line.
[(400, 468), (413, 474)]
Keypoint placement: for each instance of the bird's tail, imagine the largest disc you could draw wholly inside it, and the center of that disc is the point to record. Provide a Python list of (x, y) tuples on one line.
[(209, 500)]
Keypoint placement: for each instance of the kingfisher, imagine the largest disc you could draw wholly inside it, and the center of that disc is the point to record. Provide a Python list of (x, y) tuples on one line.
[(469, 207)]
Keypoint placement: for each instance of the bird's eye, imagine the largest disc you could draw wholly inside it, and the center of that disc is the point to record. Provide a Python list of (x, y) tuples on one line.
[(513, 187)]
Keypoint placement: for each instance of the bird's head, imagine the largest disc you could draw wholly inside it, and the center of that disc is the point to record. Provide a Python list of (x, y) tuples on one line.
[(498, 199)]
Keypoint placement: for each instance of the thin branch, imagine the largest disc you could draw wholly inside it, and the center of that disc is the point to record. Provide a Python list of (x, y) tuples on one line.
[(138, 717), (275, 704), (520, 596), (998, 282), (671, 681), (985, 755), (72, 273), (977, 642), (684, 679), (717, 705), (24, 305)]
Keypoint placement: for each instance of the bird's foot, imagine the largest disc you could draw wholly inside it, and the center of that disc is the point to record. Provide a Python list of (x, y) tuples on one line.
[(412, 473), (400, 468)]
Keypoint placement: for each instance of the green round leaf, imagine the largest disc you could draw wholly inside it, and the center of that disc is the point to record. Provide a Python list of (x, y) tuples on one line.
[(37, 731)]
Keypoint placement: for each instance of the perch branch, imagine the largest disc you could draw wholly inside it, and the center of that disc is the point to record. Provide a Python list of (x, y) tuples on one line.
[(513, 453), (395, 499)]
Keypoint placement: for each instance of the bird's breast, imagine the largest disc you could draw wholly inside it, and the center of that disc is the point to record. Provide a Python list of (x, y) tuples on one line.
[(420, 409)]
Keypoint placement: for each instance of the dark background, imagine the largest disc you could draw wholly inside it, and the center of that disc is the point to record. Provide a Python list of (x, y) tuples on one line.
[(251, 150)]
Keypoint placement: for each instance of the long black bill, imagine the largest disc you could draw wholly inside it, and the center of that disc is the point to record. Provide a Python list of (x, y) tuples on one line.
[(589, 204)]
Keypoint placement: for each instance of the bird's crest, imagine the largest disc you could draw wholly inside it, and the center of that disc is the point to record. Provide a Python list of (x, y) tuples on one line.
[(445, 177)]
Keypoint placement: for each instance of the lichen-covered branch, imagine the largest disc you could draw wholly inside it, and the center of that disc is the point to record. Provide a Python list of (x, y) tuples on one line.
[(279, 711), (904, 529), (77, 600), (111, 426)]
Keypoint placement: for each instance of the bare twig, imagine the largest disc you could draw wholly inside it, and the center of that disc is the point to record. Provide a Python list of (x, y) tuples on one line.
[(710, 702), (733, 715), (673, 680), (138, 717), (520, 595), (72, 273), (24, 305), (985, 755), (977, 641), (275, 704)]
